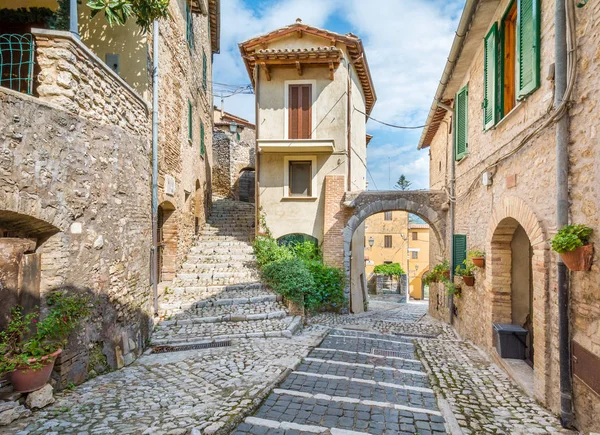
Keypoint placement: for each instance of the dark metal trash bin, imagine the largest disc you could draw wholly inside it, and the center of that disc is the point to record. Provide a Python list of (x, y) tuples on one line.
[(511, 340)]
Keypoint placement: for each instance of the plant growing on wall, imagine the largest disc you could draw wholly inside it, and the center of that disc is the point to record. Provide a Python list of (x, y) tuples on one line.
[(119, 11), (477, 257), (392, 270), (572, 242), (453, 289), (466, 271)]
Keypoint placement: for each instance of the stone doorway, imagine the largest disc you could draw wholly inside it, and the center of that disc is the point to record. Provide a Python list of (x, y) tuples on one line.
[(522, 286), (167, 242), (246, 185)]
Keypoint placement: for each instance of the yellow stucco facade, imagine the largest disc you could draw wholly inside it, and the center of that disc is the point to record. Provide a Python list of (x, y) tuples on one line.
[(394, 226), (418, 258)]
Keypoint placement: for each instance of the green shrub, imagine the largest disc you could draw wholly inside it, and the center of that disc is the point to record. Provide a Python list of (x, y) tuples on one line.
[(290, 278), (467, 269), (267, 251), (305, 251), (571, 237), (328, 292), (393, 269)]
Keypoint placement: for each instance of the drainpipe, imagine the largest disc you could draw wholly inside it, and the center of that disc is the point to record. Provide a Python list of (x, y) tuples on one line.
[(154, 271), (349, 126), (256, 151), (73, 24), (562, 213)]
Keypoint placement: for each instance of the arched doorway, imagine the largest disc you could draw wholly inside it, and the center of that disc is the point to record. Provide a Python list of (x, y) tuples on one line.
[(246, 185), (167, 242), (197, 207), (296, 238), (517, 278)]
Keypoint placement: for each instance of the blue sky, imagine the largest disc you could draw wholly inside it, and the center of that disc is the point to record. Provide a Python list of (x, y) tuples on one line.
[(406, 42)]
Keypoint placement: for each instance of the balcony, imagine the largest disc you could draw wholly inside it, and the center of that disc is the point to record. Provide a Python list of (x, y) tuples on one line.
[(57, 68), (296, 146)]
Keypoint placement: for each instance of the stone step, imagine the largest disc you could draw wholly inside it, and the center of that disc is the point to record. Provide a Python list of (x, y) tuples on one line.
[(230, 265), (194, 333), (191, 319), (218, 237), (189, 275), (219, 258), (239, 235), (241, 249), (217, 301), (217, 243)]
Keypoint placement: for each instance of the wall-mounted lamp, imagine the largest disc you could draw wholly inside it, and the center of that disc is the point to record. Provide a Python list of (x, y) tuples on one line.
[(371, 241), (233, 127)]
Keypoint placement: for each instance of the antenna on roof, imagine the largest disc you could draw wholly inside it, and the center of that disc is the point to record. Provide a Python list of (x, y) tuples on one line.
[(298, 20)]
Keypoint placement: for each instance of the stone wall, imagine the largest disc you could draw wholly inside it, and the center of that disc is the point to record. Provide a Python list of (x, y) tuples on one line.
[(73, 77), (81, 190), (232, 154), (523, 193)]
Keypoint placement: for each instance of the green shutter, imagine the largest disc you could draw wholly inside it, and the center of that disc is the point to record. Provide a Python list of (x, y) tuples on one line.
[(528, 47), (189, 25), (202, 146), (204, 70), (459, 250), (190, 122), (490, 72), (461, 108)]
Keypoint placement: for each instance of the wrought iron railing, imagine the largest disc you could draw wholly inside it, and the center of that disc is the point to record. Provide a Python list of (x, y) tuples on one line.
[(17, 53)]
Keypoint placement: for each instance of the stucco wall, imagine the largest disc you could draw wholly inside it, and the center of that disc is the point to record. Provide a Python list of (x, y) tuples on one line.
[(377, 228), (524, 188)]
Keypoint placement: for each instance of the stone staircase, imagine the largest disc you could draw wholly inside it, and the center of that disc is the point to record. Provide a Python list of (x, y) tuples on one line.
[(217, 294)]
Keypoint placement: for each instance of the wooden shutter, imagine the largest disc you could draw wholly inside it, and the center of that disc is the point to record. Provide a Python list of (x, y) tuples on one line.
[(204, 70), (459, 250), (190, 123), (387, 240), (461, 123), (490, 72), (300, 112), (202, 145), (528, 47)]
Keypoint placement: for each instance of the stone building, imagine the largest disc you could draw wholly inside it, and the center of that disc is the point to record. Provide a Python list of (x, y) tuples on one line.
[(418, 258), (234, 143), (498, 87), (75, 171), (313, 92)]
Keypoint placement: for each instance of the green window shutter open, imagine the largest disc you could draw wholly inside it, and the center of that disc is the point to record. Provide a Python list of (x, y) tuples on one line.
[(189, 25), (461, 108), (204, 70), (490, 72), (528, 47), (202, 146), (459, 250), (190, 123)]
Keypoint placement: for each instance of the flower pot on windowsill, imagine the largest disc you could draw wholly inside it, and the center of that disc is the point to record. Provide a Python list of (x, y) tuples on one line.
[(26, 379), (469, 280), (579, 260), (478, 261)]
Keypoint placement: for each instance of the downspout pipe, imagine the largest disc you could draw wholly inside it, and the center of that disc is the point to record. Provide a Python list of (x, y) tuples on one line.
[(562, 213), (155, 247), (257, 228), (73, 19)]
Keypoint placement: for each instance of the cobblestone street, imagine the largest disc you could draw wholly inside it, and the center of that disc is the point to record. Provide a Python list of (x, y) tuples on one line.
[(392, 370)]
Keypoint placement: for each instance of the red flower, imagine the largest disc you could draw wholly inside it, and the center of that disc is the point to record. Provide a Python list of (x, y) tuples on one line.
[(34, 320)]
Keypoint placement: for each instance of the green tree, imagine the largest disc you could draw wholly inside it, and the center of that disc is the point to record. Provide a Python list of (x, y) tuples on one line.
[(402, 183), (119, 11)]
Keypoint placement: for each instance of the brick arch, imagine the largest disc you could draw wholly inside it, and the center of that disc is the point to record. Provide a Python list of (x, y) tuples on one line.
[(506, 217), (426, 205)]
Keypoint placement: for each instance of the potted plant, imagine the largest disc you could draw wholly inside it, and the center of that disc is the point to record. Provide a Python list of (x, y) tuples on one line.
[(30, 345), (442, 271), (429, 277), (572, 242), (477, 257), (453, 290), (466, 272)]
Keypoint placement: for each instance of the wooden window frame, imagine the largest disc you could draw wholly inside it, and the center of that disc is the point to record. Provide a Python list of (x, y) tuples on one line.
[(190, 121), (309, 183), (387, 216), (287, 102), (414, 255), (286, 176), (415, 235), (387, 238), (508, 68)]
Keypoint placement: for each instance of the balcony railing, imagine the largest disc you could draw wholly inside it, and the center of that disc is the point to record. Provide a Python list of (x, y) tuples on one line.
[(16, 62)]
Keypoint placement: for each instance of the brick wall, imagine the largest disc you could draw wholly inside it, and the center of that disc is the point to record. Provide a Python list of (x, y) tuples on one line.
[(335, 220)]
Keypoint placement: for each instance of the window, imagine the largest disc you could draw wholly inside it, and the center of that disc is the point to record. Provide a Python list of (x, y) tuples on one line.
[(190, 121), (461, 123), (387, 241), (459, 250), (511, 60), (415, 235), (189, 25), (204, 71), (387, 216), (300, 183), (300, 112), (202, 145), (387, 262), (414, 255)]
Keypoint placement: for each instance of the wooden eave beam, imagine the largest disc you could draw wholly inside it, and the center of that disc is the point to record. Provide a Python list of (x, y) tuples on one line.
[(331, 70), (299, 68), (265, 68)]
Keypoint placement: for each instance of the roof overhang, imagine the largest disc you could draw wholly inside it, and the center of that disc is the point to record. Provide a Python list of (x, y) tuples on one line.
[(472, 27), (252, 48)]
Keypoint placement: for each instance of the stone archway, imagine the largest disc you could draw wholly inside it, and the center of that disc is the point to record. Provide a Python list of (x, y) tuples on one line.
[(431, 206), (510, 214), (168, 236)]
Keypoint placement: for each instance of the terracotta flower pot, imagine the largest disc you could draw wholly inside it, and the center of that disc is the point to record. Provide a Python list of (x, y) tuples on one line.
[(478, 261), (446, 274), (469, 280), (580, 259), (25, 379)]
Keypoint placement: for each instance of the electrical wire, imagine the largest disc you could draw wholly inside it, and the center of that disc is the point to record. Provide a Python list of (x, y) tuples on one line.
[(402, 127), (552, 116)]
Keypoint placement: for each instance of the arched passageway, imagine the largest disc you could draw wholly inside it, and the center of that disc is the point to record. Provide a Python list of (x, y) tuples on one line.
[(431, 206), (246, 185)]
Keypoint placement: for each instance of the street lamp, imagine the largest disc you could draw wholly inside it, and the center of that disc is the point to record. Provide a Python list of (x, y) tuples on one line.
[(371, 241), (233, 127)]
